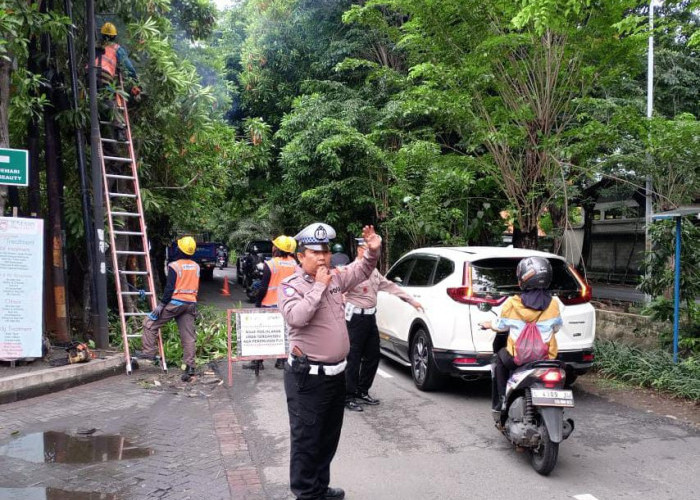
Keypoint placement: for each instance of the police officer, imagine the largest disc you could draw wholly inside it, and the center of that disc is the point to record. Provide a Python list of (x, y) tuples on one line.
[(179, 302), (360, 309), (311, 302)]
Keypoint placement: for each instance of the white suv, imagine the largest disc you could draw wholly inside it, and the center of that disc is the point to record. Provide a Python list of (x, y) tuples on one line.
[(460, 287)]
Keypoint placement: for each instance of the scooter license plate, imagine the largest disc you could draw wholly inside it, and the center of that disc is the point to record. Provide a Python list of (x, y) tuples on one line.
[(552, 397)]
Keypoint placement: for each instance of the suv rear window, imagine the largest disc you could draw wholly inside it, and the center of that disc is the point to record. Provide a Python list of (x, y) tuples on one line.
[(496, 278)]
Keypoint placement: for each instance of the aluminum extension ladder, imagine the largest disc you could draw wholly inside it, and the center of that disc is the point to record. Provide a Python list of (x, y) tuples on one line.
[(133, 273)]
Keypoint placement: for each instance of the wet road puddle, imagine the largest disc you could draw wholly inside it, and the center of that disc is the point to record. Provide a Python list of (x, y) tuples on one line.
[(62, 448), (52, 494)]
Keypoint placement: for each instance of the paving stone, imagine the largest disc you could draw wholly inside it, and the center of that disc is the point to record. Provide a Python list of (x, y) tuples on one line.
[(199, 448)]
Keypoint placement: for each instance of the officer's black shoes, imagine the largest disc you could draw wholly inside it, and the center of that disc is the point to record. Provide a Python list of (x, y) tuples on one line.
[(279, 364), (352, 405), (334, 494), (366, 399), (189, 373), (256, 364)]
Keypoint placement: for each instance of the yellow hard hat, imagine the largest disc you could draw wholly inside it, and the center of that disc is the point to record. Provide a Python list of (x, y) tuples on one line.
[(109, 29), (285, 243), (187, 245)]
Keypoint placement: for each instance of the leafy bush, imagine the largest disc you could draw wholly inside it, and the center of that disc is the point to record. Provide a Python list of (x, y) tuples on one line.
[(210, 327), (658, 281), (653, 369)]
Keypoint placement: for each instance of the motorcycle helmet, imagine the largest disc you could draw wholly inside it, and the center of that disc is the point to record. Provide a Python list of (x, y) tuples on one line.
[(534, 272), (337, 248)]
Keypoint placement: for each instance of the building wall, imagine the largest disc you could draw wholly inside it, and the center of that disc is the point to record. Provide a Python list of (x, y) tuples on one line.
[(617, 249)]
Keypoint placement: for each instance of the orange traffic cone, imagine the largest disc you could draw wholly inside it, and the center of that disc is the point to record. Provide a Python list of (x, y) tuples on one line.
[(224, 291)]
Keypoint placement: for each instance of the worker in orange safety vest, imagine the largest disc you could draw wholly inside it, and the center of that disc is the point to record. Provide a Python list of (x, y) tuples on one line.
[(276, 269), (111, 58), (179, 302)]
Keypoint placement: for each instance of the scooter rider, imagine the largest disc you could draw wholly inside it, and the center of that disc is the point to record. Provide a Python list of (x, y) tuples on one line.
[(534, 304), (221, 253)]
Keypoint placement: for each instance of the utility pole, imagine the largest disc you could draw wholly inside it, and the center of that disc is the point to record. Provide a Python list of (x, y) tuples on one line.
[(82, 170), (649, 202), (99, 315), (650, 108)]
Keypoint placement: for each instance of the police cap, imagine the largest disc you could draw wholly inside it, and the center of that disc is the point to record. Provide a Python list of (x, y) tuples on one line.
[(315, 236)]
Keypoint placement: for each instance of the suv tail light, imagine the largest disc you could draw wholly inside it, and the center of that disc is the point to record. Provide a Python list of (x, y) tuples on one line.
[(585, 294), (465, 294)]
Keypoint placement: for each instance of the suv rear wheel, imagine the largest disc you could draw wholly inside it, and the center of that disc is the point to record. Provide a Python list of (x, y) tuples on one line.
[(423, 369)]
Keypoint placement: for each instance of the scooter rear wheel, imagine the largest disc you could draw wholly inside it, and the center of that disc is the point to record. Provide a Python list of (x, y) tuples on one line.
[(544, 458)]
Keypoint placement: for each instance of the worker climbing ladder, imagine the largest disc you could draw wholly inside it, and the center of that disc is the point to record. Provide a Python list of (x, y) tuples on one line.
[(133, 273)]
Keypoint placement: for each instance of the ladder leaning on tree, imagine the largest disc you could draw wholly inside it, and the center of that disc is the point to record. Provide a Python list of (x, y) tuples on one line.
[(133, 273)]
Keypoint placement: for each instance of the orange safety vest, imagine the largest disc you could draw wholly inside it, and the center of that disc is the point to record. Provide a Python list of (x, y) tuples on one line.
[(108, 62), (279, 269), (187, 283)]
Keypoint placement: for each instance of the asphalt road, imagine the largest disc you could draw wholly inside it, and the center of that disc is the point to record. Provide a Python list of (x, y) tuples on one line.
[(204, 440), (418, 445), (210, 291)]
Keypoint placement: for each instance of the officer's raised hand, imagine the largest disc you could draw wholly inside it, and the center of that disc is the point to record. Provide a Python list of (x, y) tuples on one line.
[(373, 240)]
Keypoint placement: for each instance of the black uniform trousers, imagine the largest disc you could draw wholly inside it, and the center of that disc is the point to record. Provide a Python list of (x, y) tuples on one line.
[(316, 405), (363, 358)]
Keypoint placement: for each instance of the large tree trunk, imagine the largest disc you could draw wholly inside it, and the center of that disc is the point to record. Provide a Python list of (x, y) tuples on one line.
[(525, 239), (34, 191), (587, 244), (558, 215), (54, 192), (5, 71)]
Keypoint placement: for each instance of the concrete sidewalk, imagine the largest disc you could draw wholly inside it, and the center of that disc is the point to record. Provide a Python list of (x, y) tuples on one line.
[(34, 378), (190, 441)]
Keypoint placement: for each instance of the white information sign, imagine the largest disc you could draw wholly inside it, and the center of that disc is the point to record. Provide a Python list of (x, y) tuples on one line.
[(260, 332), (21, 287)]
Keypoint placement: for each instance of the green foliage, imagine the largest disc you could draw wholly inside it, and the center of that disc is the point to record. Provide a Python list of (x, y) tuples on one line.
[(658, 280), (210, 327), (654, 369), (197, 17)]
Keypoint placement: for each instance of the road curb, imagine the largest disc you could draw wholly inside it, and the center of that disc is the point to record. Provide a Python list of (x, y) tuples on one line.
[(37, 383)]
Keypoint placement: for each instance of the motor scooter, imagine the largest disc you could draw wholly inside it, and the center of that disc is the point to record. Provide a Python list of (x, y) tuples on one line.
[(221, 262), (253, 282), (532, 416), (532, 413)]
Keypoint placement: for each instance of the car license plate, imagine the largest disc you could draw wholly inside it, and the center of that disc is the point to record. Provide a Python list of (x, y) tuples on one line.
[(552, 397)]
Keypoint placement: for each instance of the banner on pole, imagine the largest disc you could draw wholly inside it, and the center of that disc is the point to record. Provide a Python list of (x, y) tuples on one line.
[(21, 287)]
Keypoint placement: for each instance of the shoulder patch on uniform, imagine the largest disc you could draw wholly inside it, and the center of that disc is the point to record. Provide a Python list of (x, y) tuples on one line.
[(289, 291)]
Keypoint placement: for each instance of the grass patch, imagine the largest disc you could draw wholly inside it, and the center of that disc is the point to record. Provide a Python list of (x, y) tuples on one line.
[(654, 369)]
